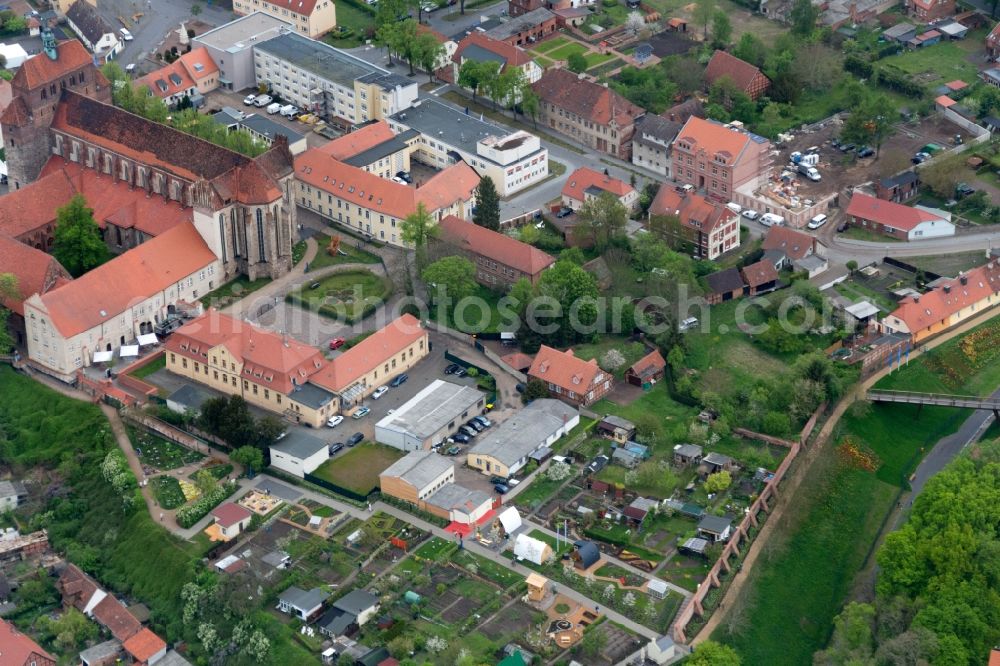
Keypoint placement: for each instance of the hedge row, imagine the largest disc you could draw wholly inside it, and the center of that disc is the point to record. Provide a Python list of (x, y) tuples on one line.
[(192, 513)]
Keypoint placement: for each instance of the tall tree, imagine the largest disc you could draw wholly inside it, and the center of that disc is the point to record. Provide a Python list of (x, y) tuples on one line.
[(9, 292), (487, 213), (751, 49), (428, 52), (250, 457), (722, 29), (452, 278), (530, 103), (78, 244), (803, 16), (576, 62), (477, 76), (872, 122), (418, 228), (704, 11), (600, 220), (575, 290), (710, 653)]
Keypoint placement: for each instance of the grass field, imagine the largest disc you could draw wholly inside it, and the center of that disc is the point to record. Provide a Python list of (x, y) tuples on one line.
[(550, 45), (358, 469), (656, 401), (348, 295), (470, 316), (167, 491), (234, 290), (949, 264), (352, 254), (632, 351), (151, 367), (936, 64), (351, 17)]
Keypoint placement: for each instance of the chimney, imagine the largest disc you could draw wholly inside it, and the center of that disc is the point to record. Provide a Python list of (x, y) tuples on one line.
[(964, 279), (947, 288)]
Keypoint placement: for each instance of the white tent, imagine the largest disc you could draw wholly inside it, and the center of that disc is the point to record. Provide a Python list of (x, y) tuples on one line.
[(510, 519), (103, 356), (533, 550), (128, 350), (148, 339)]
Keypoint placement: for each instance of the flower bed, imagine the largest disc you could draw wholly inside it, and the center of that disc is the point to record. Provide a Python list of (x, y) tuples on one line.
[(192, 513)]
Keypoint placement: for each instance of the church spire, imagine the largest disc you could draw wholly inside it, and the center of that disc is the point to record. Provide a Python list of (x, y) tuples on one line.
[(49, 43)]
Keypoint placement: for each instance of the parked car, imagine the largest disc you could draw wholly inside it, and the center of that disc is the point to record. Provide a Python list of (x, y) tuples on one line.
[(130, 68), (339, 446), (564, 212), (262, 101), (866, 151), (399, 380), (468, 430), (334, 421), (126, 35), (482, 419), (361, 413), (460, 437), (513, 482), (964, 190), (250, 99), (771, 220), (498, 479), (521, 388), (404, 176), (461, 372), (750, 214), (597, 464), (688, 324), (453, 450), (501, 488), (337, 343), (355, 439), (920, 157), (476, 425), (290, 111), (379, 392), (452, 369), (818, 221), (847, 147), (273, 108), (809, 172)]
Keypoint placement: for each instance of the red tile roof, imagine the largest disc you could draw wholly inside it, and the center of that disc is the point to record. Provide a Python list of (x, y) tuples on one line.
[(995, 652), (944, 101), (585, 98), (518, 360), (565, 370), (185, 69), (511, 54), (144, 645), (113, 615), (36, 271), (230, 513), (456, 183), (693, 210), (795, 244), (760, 273), (957, 84), (268, 358), (370, 353), (303, 7), (887, 213), (649, 364), (358, 141), (496, 246), (127, 279), (724, 64), (713, 138), (919, 313), (584, 177), (18, 649), (72, 55), (77, 585), (34, 205)]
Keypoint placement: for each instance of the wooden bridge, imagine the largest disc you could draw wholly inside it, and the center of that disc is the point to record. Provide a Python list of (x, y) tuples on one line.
[(938, 399)]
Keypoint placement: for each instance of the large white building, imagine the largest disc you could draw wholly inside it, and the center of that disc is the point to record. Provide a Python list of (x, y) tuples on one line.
[(430, 416), (231, 47), (338, 86), (311, 18), (299, 454), (513, 160)]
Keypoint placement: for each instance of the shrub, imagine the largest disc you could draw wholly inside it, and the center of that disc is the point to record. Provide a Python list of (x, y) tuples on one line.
[(194, 512)]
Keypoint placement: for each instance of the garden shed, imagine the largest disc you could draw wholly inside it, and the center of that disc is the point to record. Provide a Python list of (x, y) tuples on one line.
[(531, 549)]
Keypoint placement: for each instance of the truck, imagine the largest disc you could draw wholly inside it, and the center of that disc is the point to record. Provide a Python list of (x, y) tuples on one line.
[(809, 172)]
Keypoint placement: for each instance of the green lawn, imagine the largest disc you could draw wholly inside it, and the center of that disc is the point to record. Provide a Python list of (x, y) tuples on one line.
[(233, 291), (565, 51), (860, 233), (551, 44), (352, 23), (348, 296), (632, 351), (151, 367), (655, 401), (478, 314), (358, 469), (434, 549), (854, 290), (488, 569), (539, 491), (543, 62), (949, 264), (167, 491), (349, 253), (218, 471), (937, 64), (594, 59)]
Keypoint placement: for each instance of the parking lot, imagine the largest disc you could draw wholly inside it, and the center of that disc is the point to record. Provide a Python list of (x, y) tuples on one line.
[(215, 100), (841, 170)]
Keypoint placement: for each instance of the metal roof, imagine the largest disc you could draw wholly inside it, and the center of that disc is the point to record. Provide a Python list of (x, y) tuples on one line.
[(524, 432), (299, 445), (419, 468), (432, 409)]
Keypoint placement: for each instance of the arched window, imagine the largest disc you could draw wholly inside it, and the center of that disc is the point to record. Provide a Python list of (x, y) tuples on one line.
[(236, 234), (260, 234), (222, 236)]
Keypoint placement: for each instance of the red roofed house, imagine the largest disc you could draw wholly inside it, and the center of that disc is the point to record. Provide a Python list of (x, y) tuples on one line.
[(374, 148), (748, 78), (794, 249), (310, 18), (36, 273), (587, 111), (585, 183), (897, 220), (192, 75), (231, 519), (718, 159), (946, 305), (269, 370), (929, 10), (18, 649), (477, 47), (648, 370), (374, 206), (993, 42), (111, 305), (760, 277), (995, 657), (526, 29), (500, 260), (709, 227), (145, 648), (569, 378)]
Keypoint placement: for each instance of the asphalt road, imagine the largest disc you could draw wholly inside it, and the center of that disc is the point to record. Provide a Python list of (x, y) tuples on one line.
[(158, 18)]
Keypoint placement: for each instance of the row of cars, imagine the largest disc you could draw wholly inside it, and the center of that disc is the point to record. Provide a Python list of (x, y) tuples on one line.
[(465, 434), (267, 103)]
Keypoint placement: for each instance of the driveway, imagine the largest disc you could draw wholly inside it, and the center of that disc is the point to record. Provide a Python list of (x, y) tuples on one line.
[(156, 21)]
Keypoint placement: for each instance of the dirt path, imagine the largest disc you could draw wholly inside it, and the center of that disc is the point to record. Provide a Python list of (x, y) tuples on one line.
[(786, 493)]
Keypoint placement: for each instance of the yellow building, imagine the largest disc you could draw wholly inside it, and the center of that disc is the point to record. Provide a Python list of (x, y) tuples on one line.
[(311, 18)]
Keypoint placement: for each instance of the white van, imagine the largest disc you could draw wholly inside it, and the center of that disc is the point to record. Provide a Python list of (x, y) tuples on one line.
[(818, 221), (735, 207), (289, 111), (688, 324), (126, 35), (262, 101), (771, 220), (273, 108)]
